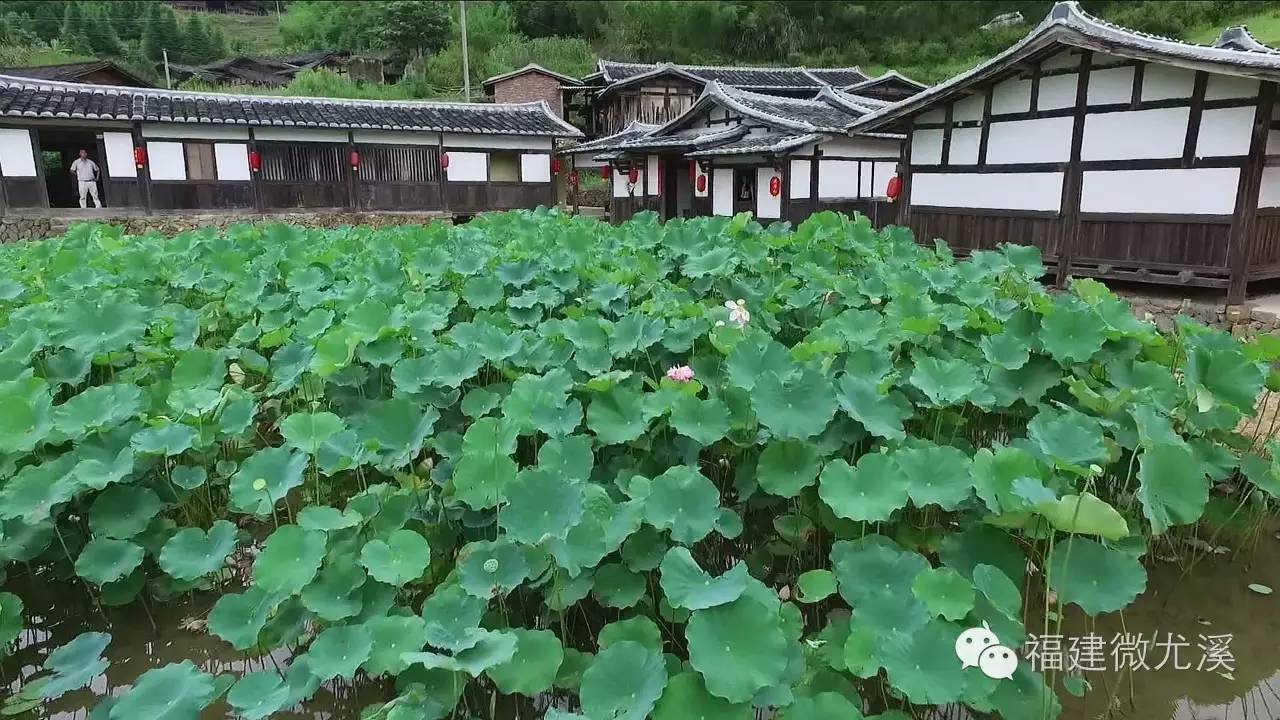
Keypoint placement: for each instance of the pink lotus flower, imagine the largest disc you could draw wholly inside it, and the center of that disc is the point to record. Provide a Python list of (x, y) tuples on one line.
[(680, 373), (738, 314)]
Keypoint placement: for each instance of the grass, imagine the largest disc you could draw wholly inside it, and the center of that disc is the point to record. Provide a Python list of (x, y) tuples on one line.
[(1264, 25), (247, 34)]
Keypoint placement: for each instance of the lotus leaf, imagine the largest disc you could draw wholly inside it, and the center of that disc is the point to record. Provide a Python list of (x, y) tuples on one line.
[(624, 682), (685, 502), (192, 553), (873, 491), (686, 697), (289, 560), (179, 691), (258, 694), (339, 651), (739, 648), (279, 471), (123, 511), (1172, 486), (534, 666), (541, 505), (400, 559), (787, 467), (686, 585), (1096, 578), (105, 560)]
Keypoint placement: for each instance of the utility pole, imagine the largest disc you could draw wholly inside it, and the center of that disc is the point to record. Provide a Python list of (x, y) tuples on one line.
[(466, 70), (168, 82)]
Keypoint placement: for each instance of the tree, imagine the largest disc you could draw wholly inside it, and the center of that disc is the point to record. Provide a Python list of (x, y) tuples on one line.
[(74, 26), (152, 40), (100, 30)]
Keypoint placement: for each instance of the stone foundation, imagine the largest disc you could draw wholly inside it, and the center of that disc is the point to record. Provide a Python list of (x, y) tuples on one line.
[(1243, 321), (14, 228)]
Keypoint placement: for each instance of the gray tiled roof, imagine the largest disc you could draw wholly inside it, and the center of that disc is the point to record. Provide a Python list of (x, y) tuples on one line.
[(758, 77), (608, 142), (26, 98), (839, 76), (781, 112), (772, 142), (1067, 24)]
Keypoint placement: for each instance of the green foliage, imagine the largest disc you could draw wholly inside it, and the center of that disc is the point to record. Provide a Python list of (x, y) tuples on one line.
[(427, 481)]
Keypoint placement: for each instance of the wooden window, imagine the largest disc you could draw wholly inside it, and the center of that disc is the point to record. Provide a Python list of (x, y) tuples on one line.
[(302, 162), (743, 185), (504, 167), (399, 163), (200, 162)]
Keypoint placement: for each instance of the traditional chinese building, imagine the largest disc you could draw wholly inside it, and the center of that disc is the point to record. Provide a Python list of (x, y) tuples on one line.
[(735, 150), (161, 150), (1119, 154)]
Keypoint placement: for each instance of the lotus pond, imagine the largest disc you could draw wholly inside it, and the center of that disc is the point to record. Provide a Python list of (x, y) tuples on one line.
[(539, 465)]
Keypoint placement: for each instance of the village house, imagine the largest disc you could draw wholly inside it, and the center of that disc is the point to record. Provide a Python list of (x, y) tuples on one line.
[(163, 150), (1119, 154), (734, 150)]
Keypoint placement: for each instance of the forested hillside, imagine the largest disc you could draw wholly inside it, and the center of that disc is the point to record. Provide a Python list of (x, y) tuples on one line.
[(929, 40)]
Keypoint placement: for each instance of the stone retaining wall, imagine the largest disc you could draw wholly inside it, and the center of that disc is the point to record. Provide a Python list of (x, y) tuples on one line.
[(1243, 321), (15, 228)]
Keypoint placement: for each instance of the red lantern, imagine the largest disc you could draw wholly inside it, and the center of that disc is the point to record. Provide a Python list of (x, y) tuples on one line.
[(895, 188), (775, 186), (140, 157), (354, 157), (444, 161), (573, 178), (702, 183), (255, 161), (555, 165), (606, 172), (633, 175)]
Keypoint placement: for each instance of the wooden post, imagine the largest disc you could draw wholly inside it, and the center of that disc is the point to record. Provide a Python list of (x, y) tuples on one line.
[(1073, 181), (255, 185), (814, 207), (353, 172), (4, 191), (904, 193), (144, 173), (444, 195), (1240, 237), (101, 146), (39, 158)]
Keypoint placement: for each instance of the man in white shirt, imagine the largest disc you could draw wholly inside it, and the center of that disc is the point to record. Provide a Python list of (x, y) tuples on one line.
[(86, 172)]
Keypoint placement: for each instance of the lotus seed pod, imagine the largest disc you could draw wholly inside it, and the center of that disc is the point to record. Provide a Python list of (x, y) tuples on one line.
[(491, 565)]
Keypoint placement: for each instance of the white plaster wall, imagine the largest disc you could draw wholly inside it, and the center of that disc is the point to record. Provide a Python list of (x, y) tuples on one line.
[(1273, 142), (1225, 131), (1269, 194), (1225, 87), (964, 145), (933, 116), (620, 184), (300, 134), (16, 156), (187, 131), (499, 142), (1029, 141), (926, 147), (166, 160), (467, 167), (119, 146), (1058, 91), (651, 175), (396, 137), (837, 178), (1164, 82), (1011, 96), (1133, 135), (1064, 59), (866, 147), (1005, 191), (1111, 86), (707, 183), (1208, 191), (969, 108), (799, 179), (232, 160), (535, 168), (722, 189), (767, 206)]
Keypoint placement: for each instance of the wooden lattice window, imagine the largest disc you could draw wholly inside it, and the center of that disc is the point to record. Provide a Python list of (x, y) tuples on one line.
[(301, 162), (399, 163)]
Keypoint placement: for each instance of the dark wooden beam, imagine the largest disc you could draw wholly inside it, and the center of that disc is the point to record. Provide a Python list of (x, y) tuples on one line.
[(1073, 179), (1138, 72), (985, 134), (1247, 190), (946, 135), (255, 182), (904, 167), (144, 173), (39, 160), (1193, 120), (814, 176)]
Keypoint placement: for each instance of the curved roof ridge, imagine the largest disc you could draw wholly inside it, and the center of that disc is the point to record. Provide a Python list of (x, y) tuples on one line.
[(1238, 37)]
